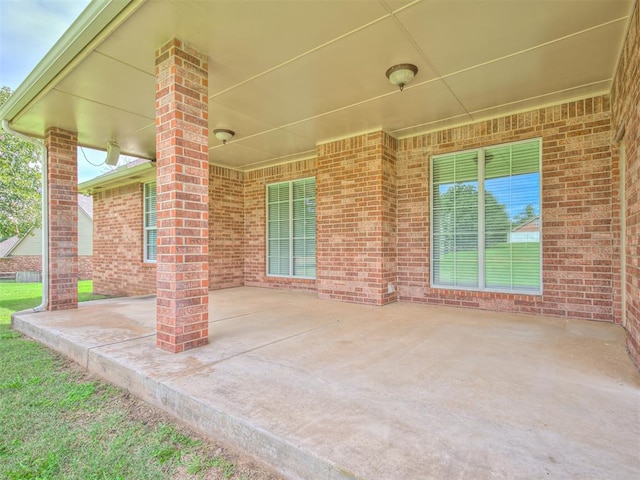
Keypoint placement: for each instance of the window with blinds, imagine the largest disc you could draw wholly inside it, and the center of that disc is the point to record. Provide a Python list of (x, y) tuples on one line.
[(291, 228), (485, 219), (149, 220)]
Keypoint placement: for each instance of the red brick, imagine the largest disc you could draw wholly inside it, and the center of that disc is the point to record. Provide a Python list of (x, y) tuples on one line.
[(63, 218)]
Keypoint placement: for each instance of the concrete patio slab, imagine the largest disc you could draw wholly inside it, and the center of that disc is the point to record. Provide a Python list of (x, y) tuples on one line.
[(328, 390)]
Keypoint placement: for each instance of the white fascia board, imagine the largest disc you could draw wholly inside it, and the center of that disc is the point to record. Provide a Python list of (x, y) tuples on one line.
[(95, 20)]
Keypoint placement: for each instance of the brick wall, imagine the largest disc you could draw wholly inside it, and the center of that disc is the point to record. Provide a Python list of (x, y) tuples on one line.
[(255, 183), (577, 209), (356, 206), (33, 263), (625, 98), (62, 178), (226, 228), (119, 267)]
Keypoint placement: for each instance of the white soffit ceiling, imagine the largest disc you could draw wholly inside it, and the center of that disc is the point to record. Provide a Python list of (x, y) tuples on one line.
[(287, 76)]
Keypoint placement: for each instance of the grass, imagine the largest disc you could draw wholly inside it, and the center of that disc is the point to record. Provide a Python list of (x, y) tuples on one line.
[(58, 422), (509, 264), (21, 296)]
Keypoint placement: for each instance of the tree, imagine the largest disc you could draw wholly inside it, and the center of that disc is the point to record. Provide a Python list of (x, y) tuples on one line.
[(20, 183), (527, 214), (456, 219)]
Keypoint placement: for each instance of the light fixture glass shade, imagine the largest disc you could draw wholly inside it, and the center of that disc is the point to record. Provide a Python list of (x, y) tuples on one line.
[(400, 75), (224, 135)]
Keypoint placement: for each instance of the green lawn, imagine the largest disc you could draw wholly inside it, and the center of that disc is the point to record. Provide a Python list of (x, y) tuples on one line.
[(59, 422), (508, 264), (21, 296)]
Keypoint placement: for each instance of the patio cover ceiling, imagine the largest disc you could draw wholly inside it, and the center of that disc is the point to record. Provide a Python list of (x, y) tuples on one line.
[(287, 76)]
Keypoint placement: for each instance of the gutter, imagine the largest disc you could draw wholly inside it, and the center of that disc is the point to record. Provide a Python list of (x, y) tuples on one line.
[(45, 212)]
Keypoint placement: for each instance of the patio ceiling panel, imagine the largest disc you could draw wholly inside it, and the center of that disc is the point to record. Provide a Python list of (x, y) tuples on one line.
[(122, 90), (278, 143), (419, 105), (542, 100), (287, 76), (92, 120), (244, 38), (236, 155), (554, 67), (221, 116), (342, 73), (457, 35)]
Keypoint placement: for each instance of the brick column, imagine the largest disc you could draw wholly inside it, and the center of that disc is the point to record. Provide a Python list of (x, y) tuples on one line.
[(183, 197), (356, 219), (62, 180)]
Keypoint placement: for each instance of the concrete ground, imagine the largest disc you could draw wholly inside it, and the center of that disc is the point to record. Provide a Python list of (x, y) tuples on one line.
[(328, 390)]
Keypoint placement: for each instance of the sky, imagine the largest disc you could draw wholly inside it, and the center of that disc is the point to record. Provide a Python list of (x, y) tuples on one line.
[(28, 30)]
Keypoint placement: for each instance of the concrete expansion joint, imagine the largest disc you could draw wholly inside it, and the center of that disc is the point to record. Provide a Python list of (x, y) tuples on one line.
[(259, 347), (242, 315), (120, 341)]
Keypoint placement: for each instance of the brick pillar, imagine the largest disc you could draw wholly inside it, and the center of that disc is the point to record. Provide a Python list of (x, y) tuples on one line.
[(356, 219), (183, 197), (62, 180)]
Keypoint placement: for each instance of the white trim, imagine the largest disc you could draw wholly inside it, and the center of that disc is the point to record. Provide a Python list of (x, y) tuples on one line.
[(146, 229), (481, 222), (291, 251)]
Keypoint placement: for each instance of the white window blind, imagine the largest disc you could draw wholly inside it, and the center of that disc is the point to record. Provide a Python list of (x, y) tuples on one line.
[(485, 226), (291, 228), (149, 221)]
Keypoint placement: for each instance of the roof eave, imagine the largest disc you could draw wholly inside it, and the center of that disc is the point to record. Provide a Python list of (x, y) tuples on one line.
[(92, 23), (141, 173)]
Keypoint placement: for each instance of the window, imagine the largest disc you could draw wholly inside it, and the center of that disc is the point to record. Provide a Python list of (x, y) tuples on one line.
[(150, 231), (485, 225), (291, 229)]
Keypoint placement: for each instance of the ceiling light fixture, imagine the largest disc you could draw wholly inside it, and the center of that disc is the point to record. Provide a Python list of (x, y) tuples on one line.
[(224, 135), (401, 74)]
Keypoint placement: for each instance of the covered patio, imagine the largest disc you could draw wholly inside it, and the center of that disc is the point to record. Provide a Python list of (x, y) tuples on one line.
[(331, 390)]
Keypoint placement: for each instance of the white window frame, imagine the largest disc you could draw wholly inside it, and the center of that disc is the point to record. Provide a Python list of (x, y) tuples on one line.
[(291, 255), (481, 223), (147, 228)]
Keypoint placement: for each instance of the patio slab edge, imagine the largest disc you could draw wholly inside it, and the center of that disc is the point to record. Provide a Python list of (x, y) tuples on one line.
[(60, 343), (287, 459)]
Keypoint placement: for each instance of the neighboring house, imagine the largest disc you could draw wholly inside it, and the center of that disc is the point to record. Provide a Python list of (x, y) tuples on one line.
[(336, 181), (25, 254), (527, 232)]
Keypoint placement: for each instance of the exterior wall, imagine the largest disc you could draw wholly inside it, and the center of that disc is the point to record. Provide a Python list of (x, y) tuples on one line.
[(119, 268), (31, 244), (625, 98), (255, 227), (356, 206), (33, 263), (226, 228), (577, 208)]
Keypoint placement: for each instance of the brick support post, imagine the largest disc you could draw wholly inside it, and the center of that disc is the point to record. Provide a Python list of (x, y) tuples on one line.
[(183, 197), (63, 218), (356, 219)]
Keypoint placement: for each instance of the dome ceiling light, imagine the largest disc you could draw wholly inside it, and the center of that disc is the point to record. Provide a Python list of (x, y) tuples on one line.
[(401, 74), (224, 135)]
